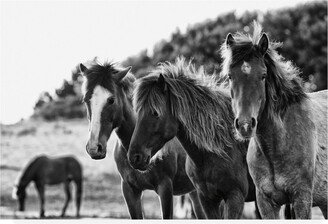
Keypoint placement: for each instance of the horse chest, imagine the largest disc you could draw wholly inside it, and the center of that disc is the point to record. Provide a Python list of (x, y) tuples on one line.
[(141, 180), (137, 179), (211, 181), (266, 179)]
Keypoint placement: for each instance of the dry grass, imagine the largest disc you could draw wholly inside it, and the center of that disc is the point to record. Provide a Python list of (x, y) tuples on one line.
[(102, 195), (102, 192)]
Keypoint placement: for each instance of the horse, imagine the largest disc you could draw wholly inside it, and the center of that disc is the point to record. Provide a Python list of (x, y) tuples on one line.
[(107, 93), (43, 170), (287, 127), (176, 100)]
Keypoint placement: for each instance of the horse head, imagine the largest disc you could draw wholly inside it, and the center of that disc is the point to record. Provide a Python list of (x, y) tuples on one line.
[(104, 98)]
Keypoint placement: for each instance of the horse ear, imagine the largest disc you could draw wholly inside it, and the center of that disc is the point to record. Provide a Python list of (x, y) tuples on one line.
[(229, 40), (161, 82), (264, 43), (121, 74), (82, 68)]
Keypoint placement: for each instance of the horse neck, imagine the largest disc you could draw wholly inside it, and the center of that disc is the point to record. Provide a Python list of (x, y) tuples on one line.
[(125, 130), (27, 176), (267, 133), (195, 153)]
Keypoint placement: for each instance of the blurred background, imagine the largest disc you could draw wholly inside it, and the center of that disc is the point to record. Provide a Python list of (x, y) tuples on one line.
[(40, 98)]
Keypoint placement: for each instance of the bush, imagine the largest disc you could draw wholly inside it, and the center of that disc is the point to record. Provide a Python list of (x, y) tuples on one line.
[(27, 131), (69, 107), (302, 29)]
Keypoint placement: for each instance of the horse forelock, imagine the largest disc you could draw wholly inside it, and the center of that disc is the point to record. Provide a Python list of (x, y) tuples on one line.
[(245, 47), (195, 100), (103, 74), (283, 84)]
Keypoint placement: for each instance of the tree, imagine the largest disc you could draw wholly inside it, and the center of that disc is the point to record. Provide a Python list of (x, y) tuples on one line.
[(302, 29)]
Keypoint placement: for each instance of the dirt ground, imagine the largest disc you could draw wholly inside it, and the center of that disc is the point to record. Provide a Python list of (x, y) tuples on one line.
[(102, 197)]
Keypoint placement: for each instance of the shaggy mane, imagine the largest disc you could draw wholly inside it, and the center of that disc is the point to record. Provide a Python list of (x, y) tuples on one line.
[(283, 84), (196, 100), (103, 74)]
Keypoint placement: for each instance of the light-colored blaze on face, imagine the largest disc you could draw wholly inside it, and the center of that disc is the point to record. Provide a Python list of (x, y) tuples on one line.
[(246, 68), (97, 103)]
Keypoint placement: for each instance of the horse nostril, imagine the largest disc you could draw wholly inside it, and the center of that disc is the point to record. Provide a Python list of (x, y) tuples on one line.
[(253, 122), (137, 159), (99, 148), (236, 123)]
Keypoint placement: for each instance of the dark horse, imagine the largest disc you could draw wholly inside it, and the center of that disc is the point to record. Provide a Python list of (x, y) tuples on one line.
[(176, 100), (108, 98), (287, 128), (50, 171)]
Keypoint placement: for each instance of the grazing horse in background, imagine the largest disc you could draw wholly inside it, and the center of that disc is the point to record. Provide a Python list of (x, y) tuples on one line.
[(287, 128), (50, 171), (108, 98), (176, 100)]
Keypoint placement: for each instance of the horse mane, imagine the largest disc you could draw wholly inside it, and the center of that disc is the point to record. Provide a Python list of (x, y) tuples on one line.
[(196, 100), (103, 74), (27, 174), (283, 83)]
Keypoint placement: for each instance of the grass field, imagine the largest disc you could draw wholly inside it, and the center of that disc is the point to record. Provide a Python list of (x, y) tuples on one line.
[(102, 195), (102, 192)]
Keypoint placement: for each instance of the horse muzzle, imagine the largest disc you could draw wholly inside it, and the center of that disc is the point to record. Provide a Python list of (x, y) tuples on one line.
[(138, 160), (96, 151), (246, 127)]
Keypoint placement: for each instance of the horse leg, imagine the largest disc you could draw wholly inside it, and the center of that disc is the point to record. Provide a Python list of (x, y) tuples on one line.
[(210, 207), (302, 204), (292, 213), (288, 212), (257, 211), (68, 197), (267, 209), (78, 196), (40, 188), (221, 209), (234, 205), (165, 192), (196, 205), (323, 209), (132, 199)]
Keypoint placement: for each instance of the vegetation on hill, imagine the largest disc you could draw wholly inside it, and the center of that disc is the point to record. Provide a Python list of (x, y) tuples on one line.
[(302, 29)]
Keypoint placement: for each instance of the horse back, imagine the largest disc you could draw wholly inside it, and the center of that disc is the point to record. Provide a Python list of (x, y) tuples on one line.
[(58, 170), (73, 168)]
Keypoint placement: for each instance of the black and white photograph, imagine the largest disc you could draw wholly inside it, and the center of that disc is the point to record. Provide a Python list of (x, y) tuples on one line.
[(160, 109)]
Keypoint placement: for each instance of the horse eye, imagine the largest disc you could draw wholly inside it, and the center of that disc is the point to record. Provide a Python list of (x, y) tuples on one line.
[(229, 76), (263, 77), (110, 101)]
